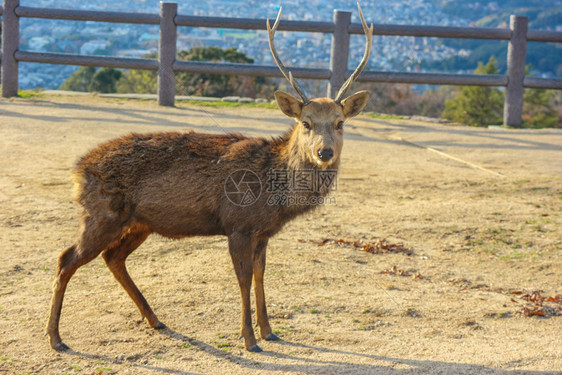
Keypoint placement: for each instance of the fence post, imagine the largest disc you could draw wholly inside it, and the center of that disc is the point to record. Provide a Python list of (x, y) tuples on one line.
[(167, 54), (340, 51), (516, 54), (10, 44)]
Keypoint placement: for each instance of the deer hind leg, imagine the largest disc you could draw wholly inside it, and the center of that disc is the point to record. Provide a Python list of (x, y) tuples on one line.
[(261, 310), (115, 257), (241, 249), (96, 234)]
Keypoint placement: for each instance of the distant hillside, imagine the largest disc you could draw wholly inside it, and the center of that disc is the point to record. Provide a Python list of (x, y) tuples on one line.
[(493, 13), (543, 14), (539, 18)]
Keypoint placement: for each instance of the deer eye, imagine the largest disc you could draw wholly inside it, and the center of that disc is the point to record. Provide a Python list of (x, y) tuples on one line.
[(306, 125), (339, 126)]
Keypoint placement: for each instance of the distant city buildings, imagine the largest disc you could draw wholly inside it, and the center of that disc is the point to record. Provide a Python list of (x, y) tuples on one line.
[(298, 49)]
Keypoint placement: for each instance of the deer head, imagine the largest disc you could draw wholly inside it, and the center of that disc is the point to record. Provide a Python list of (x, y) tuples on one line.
[(318, 134)]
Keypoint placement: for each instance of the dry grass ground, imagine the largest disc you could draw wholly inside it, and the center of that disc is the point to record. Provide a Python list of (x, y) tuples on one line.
[(477, 236)]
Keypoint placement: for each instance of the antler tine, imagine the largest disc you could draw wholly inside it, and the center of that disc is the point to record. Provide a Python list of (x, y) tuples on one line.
[(287, 74), (369, 38)]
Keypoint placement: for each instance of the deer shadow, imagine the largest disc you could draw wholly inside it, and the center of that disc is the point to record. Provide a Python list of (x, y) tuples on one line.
[(477, 137), (310, 365), (152, 117), (190, 121), (219, 123), (130, 363)]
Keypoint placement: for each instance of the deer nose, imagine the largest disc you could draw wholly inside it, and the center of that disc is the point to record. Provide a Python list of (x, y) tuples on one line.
[(325, 154)]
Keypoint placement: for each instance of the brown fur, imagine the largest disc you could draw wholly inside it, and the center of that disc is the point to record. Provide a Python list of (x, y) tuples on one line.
[(173, 184)]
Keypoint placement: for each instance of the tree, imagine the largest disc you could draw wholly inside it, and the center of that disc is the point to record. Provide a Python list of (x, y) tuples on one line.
[(79, 80), (403, 99), (138, 81), (105, 80), (88, 78), (205, 84), (477, 106), (538, 110), (201, 84)]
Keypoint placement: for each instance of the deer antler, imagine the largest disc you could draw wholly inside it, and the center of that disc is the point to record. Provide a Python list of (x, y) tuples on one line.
[(369, 37), (287, 74)]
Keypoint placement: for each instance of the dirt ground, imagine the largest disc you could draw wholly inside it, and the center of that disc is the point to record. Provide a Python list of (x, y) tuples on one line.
[(479, 208)]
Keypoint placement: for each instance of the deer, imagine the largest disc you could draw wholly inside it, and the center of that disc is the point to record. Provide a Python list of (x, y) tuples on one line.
[(176, 185)]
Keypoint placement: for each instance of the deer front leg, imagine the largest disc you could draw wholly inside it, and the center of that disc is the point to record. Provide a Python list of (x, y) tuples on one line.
[(261, 309), (241, 249)]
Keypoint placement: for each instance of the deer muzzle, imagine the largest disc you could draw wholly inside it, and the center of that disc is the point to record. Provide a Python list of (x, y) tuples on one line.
[(325, 154)]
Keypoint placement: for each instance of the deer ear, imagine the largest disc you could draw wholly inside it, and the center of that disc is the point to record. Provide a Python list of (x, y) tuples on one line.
[(354, 104), (288, 104)]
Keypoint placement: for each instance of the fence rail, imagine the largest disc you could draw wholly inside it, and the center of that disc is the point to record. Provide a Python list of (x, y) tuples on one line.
[(341, 28)]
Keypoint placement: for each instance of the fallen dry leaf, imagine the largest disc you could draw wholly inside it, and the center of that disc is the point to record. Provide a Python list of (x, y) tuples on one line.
[(380, 246), (400, 272), (556, 299), (537, 304), (532, 312)]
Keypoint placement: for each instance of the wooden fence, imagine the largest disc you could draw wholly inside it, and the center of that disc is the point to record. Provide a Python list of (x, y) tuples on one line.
[(341, 28)]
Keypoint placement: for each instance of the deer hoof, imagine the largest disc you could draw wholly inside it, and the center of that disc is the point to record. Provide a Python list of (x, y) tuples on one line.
[(61, 347), (272, 337), (160, 325), (255, 349)]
